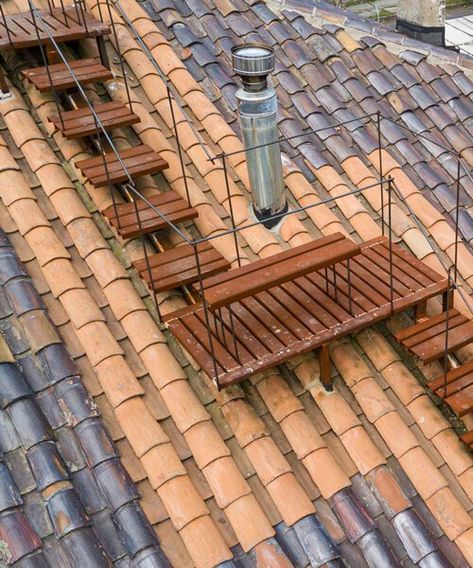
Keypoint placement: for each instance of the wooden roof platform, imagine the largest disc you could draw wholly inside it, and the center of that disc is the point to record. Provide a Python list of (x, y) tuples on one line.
[(18, 31), (79, 123), (170, 204), (178, 267), (86, 71), (306, 313)]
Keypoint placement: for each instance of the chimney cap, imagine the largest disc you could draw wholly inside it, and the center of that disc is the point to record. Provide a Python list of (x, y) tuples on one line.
[(253, 59)]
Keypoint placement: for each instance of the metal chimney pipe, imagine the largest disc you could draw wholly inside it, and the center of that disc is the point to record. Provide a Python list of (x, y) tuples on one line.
[(257, 112)]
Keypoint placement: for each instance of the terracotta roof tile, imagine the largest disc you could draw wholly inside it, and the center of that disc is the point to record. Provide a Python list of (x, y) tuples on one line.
[(396, 434), (116, 379), (139, 426), (451, 517), (429, 419), (207, 445), (361, 449)]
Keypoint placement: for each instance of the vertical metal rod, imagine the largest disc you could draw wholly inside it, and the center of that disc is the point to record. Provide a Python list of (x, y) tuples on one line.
[(350, 309), (380, 157), (46, 64), (335, 290), (107, 173), (206, 314), (77, 11), (217, 317), (83, 12), (447, 331), (5, 24), (148, 264), (120, 57), (64, 13), (222, 326), (391, 277), (235, 343), (179, 147), (232, 216), (327, 289), (457, 211), (50, 7), (99, 6)]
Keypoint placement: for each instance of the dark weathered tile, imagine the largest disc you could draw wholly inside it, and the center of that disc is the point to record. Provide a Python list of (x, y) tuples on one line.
[(18, 536), (352, 515), (106, 532), (115, 484), (57, 363), (95, 442), (66, 512), (46, 464), (134, 529), (29, 422), (12, 385), (9, 494), (82, 546)]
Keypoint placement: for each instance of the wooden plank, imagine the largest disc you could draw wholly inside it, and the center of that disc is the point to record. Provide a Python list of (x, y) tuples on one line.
[(280, 268), (269, 261), (468, 438), (170, 270), (452, 376), (433, 331), (127, 208), (454, 386), (158, 224), (63, 25), (461, 402), (434, 348), (149, 213), (86, 71), (80, 122), (267, 319), (194, 324), (138, 160), (412, 330), (265, 335), (421, 268)]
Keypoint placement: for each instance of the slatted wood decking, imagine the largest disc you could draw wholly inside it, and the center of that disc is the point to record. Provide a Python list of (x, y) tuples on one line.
[(18, 31), (81, 122), (85, 70), (427, 338), (303, 314), (138, 160), (178, 267), (169, 204)]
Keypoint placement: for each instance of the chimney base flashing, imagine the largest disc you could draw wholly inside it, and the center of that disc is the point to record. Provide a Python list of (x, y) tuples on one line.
[(434, 35), (265, 216)]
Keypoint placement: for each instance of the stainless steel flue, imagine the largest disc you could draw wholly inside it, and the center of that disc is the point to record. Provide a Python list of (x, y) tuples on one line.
[(257, 112)]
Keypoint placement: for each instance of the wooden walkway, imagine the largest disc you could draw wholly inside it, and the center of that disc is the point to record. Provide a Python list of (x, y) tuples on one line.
[(304, 314)]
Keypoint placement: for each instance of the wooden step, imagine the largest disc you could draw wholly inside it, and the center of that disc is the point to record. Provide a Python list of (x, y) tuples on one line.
[(468, 439), (85, 70), (457, 379), (461, 402), (169, 204), (80, 122), (18, 31), (177, 267), (139, 161), (427, 339)]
